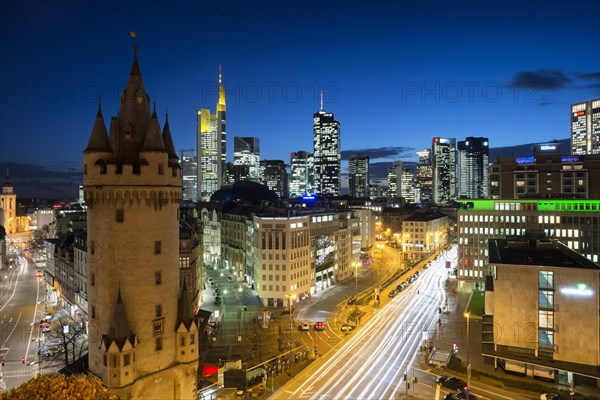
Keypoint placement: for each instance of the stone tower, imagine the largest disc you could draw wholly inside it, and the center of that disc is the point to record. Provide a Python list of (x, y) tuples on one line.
[(142, 336), (8, 206)]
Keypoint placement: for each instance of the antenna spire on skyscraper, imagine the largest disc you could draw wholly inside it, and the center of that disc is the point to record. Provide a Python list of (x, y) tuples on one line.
[(321, 95), (219, 75)]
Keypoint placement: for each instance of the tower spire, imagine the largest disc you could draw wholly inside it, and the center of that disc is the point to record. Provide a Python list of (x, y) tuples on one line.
[(321, 96), (220, 76), (221, 103)]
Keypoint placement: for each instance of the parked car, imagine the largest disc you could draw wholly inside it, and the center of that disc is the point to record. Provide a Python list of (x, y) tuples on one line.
[(217, 301), (230, 278), (393, 293), (452, 382), (210, 281), (319, 326), (460, 396), (304, 326), (551, 396), (347, 328), (399, 288)]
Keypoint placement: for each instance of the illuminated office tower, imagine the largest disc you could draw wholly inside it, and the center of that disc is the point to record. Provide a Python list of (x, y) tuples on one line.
[(395, 180), (443, 157), (358, 175), (473, 168), (425, 176), (275, 176), (246, 152), (327, 153), (585, 128), (408, 189), (211, 144), (189, 175), (299, 173)]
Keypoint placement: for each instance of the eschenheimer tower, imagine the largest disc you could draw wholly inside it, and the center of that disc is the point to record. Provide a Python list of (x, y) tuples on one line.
[(143, 340)]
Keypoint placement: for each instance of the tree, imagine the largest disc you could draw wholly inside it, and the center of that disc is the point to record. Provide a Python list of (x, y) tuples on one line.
[(61, 387)]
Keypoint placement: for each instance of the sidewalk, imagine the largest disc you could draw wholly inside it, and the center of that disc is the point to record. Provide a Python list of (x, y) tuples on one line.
[(453, 332)]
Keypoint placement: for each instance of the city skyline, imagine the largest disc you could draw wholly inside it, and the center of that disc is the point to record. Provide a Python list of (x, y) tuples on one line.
[(528, 88)]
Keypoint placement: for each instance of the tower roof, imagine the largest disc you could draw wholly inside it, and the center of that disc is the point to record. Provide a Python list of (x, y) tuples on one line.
[(185, 314), (119, 330), (168, 140), (153, 140), (221, 104), (99, 137)]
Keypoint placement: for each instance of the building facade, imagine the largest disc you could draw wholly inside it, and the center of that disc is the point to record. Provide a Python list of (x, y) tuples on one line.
[(443, 162), (358, 175), (211, 145), (585, 128), (300, 173), (8, 207), (409, 190), (575, 223), (327, 153), (189, 175), (423, 234), (473, 168), (246, 152), (394, 179), (142, 321), (424, 177), (275, 176), (542, 310), (547, 174)]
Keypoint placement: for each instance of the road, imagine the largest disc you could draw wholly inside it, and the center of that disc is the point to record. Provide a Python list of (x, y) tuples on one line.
[(21, 292), (372, 362)]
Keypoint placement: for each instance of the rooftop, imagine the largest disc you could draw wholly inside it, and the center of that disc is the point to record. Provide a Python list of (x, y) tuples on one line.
[(528, 251)]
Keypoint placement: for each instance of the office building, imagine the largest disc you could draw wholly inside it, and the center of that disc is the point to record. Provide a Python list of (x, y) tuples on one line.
[(146, 339), (327, 154), (189, 175), (425, 176), (408, 188), (395, 180), (300, 173), (211, 145), (473, 168), (585, 128), (546, 174), (423, 234), (358, 175), (575, 223), (443, 162), (541, 312), (246, 152), (275, 176)]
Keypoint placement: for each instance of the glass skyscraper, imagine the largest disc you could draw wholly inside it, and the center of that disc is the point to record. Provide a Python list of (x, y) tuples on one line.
[(189, 175), (585, 128), (246, 151), (327, 155), (300, 173), (443, 157), (473, 166), (358, 174)]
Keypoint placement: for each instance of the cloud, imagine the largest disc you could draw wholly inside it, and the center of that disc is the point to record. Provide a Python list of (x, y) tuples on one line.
[(380, 152), (590, 76), (541, 79)]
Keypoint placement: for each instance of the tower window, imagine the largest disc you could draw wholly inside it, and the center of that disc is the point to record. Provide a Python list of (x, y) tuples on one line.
[(93, 311), (158, 344), (158, 310), (182, 340), (157, 247), (192, 338), (105, 359), (120, 215), (157, 278), (126, 359), (160, 169), (93, 279), (92, 247)]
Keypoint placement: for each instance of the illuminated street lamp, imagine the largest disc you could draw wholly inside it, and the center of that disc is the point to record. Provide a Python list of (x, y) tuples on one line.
[(356, 264), (291, 298), (468, 316)]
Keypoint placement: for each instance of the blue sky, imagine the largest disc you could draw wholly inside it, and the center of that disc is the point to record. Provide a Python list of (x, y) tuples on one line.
[(395, 74)]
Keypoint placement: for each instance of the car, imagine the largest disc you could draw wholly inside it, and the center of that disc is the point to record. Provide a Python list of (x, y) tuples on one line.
[(460, 396), (210, 281), (39, 273), (319, 326), (304, 326), (393, 293), (217, 301), (399, 288), (230, 278), (452, 382), (346, 328), (551, 396)]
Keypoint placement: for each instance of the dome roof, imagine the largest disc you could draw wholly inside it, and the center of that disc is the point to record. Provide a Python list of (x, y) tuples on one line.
[(245, 191)]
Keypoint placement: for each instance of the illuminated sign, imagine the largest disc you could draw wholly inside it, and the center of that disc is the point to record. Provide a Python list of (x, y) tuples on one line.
[(546, 147), (581, 290)]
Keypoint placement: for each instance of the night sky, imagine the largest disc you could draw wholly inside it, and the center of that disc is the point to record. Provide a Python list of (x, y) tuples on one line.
[(395, 74)]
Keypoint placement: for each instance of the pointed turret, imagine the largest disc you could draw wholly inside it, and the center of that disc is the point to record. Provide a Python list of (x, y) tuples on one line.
[(221, 103), (185, 315), (119, 330), (99, 138), (168, 141), (153, 140), (7, 186)]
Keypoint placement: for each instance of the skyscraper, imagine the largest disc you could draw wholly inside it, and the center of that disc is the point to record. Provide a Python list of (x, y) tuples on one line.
[(211, 145), (443, 157), (358, 175), (246, 151), (189, 175), (473, 168), (327, 155), (275, 176), (146, 339), (299, 173), (395, 180), (425, 176), (585, 127), (408, 185)]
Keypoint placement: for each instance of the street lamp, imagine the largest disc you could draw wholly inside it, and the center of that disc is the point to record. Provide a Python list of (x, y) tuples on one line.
[(291, 298), (356, 264), (468, 316)]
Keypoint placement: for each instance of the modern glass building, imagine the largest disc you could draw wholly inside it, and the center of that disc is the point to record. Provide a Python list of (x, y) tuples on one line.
[(275, 176), (424, 177), (395, 180), (585, 128), (443, 157), (189, 175), (473, 166), (327, 155), (358, 174), (246, 151), (300, 173)]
